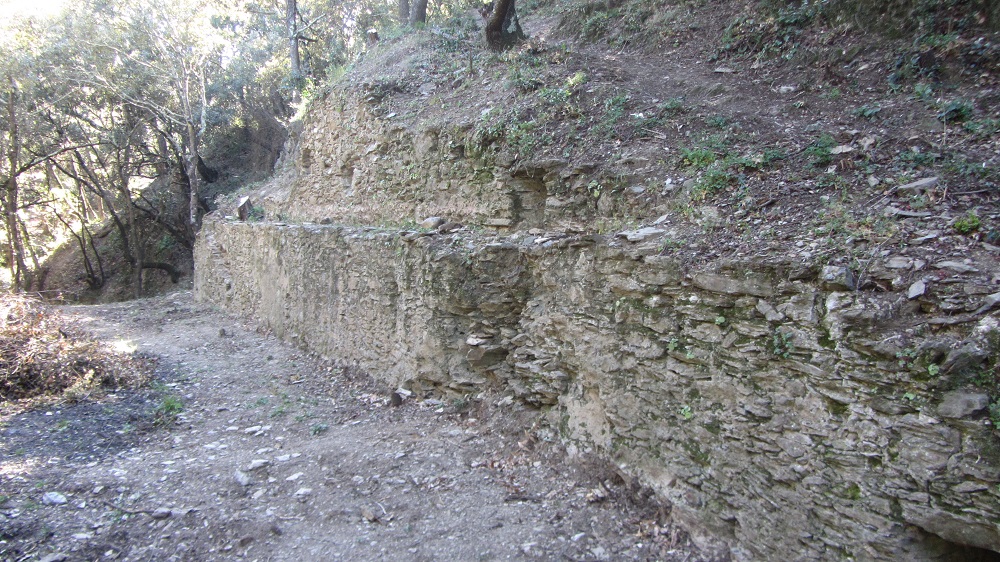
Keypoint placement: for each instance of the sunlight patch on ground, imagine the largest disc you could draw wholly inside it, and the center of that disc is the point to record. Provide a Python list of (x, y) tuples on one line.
[(17, 468), (123, 346)]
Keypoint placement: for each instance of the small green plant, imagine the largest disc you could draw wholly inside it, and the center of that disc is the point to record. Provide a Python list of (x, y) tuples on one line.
[(956, 111), (832, 94), (819, 151), (686, 412), (714, 179), (461, 404), (555, 96), (717, 121), (697, 158), (595, 188), (782, 344), (995, 414), (62, 425), (906, 357), (967, 224), (853, 492), (615, 108), (168, 410), (909, 396), (318, 428), (673, 345), (914, 158), (672, 106), (524, 79), (720, 320), (256, 214), (923, 91), (578, 79), (933, 369), (983, 127), (867, 111)]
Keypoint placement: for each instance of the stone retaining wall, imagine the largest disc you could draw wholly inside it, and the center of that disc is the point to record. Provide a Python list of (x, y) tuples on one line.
[(777, 412)]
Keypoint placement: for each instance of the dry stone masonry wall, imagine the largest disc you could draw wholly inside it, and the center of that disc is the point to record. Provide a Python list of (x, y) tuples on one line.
[(354, 161), (776, 410)]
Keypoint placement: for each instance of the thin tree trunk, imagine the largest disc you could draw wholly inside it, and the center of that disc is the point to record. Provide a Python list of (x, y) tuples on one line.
[(19, 274), (193, 180), (292, 28)]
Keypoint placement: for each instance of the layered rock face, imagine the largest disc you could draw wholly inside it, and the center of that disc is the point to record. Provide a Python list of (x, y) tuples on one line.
[(777, 411), (353, 161)]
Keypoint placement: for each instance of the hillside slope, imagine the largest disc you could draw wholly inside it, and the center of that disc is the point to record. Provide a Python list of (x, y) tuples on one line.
[(743, 151)]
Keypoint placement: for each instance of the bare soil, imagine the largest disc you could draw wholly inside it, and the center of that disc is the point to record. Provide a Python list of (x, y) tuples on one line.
[(244, 447)]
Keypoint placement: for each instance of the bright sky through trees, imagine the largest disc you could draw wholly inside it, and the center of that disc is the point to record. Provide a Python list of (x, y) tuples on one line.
[(10, 8)]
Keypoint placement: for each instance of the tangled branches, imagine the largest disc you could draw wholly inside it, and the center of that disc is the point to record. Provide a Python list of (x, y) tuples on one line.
[(38, 357)]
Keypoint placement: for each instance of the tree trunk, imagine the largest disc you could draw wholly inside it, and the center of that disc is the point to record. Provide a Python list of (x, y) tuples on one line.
[(193, 180), (20, 277), (292, 28), (418, 13), (403, 11), (503, 28)]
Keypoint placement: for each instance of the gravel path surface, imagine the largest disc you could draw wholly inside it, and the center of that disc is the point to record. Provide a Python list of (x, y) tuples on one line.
[(246, 448)]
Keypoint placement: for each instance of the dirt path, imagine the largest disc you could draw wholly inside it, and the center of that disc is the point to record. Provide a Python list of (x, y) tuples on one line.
[(275, 456)]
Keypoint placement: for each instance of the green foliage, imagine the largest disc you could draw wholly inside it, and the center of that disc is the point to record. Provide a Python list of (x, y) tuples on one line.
[(714, 179), (167, 410), (967, 224), (782, 344), (994, 410), (867, 111), (914, 159), (956, 111), (615, 107), (318, 428), (906, 357), (636, 22), (819, 151), (686, 412), (923, 91), (983, 128), (697, 158), (165, 244)]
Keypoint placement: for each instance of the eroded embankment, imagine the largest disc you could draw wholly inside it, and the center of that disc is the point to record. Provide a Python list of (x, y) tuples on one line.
[(775, 409)]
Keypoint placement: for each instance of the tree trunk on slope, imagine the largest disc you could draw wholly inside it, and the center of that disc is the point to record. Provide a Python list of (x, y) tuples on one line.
[(502, 27)]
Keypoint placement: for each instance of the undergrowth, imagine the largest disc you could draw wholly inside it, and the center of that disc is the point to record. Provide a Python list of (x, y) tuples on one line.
[(40, 357)]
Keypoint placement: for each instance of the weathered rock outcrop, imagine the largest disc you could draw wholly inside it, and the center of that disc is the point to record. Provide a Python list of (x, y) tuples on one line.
[(775, 410)]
